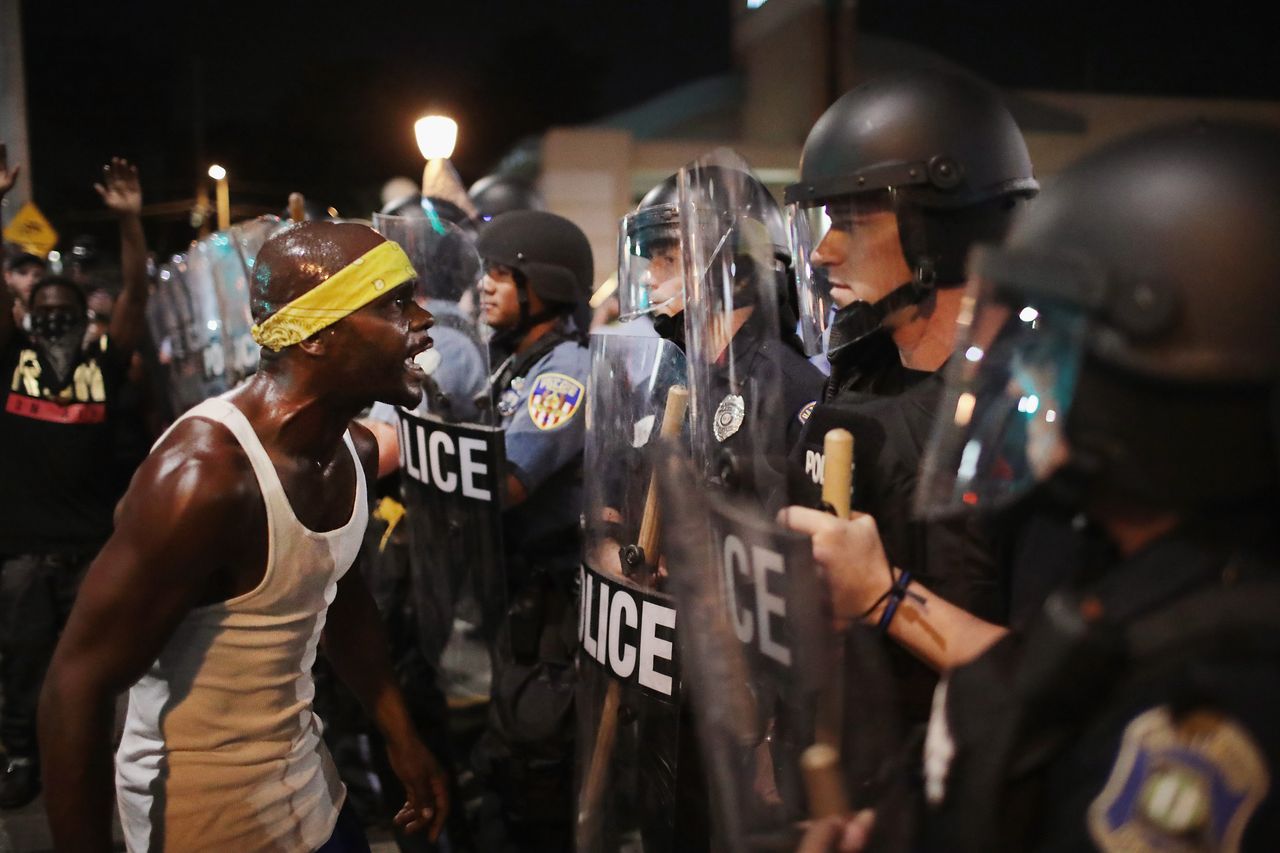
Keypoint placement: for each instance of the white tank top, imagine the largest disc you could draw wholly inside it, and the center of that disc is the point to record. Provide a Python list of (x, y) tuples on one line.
[(221, 750)]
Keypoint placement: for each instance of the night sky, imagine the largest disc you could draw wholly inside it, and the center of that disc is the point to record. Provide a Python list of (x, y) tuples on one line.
[(320, 97)]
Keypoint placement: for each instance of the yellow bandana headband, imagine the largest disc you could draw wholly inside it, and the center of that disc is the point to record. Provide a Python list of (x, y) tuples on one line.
[(379, 270)]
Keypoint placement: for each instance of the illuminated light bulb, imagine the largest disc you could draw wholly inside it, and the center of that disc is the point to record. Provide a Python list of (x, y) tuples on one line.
[(436, 135)]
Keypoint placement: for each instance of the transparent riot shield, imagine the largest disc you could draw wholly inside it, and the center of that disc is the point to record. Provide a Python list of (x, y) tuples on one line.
[(230, 255), (628, 694), (757, 646), (187, 328), (448, 267), (733, 279), (452, 466), (770, 674), (169, 321)]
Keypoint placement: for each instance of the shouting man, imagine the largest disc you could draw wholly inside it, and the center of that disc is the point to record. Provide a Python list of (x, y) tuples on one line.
[(229, 565)]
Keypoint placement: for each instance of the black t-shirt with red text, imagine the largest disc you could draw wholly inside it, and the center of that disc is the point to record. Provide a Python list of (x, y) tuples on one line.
[(56, 447)]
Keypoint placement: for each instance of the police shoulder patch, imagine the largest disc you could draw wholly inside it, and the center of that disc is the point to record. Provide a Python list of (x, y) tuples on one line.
[(804, 414), (554, 400), (1196, 777)]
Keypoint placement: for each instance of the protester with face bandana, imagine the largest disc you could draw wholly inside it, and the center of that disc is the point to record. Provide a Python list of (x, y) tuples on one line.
[(58, 407)]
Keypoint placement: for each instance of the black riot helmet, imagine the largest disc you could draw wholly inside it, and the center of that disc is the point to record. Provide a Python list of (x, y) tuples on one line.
[(1123, 339), (649, 241), (549, 255), (497, 194), (939, 149)]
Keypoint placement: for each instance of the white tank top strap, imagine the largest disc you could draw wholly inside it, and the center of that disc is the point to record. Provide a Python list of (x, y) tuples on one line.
[(229, 415), (362, 497)]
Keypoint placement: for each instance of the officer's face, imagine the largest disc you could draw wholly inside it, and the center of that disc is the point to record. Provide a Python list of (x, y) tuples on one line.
[(499, 298), (861, 254), (663, 279)]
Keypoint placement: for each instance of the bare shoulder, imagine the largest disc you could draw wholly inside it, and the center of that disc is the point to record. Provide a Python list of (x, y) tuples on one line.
[(198, 469), (367, 447)]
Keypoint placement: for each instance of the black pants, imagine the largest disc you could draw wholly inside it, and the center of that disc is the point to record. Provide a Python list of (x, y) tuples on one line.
[(36, 594)]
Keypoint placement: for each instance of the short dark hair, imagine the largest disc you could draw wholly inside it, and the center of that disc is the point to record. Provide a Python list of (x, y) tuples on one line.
[(59, 281), (22, 259)]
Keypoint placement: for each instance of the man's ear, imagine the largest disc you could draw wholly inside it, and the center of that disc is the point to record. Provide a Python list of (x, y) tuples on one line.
[(318, 344)]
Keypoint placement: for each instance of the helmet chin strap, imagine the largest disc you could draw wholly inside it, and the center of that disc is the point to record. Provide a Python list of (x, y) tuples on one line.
[(511, 338), (859, 319), (670, 327)]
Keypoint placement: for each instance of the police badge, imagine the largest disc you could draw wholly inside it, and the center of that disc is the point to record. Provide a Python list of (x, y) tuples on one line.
[(554, 400), (729, 415), (1193, 780)]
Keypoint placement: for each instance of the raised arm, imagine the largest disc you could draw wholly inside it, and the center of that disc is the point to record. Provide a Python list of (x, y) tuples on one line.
[(8, 177), (356, 645), (175, 529), (122, 194), (931, 628)]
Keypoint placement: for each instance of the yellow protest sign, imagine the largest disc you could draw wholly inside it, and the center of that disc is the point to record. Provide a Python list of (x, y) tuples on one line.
[(30, 230)]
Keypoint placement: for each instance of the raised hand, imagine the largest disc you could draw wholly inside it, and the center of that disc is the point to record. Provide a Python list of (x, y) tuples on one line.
[(8, 174), (120, 189)]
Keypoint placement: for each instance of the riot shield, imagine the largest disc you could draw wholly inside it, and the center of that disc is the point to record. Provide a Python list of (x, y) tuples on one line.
[(733, 279), (628, 693), (453, 466), (199, 315), (756, 653), (168, 320), (236, 285), (763, 665), (457, 365), (230, 255), (186, 326), (451, 477)]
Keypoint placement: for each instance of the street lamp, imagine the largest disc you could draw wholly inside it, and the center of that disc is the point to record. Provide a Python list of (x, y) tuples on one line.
[(437, 136), (219, 174)]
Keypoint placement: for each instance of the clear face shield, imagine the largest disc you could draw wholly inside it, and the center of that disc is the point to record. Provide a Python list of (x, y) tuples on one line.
[(732, 280), (449, 272), (443, 255), (649, 274), (846, 249), (1001, 423)]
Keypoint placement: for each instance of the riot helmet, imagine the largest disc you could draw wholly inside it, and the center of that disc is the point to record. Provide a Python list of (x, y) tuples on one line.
[(650, 278), (898, 178), (548, 255), (496, 194), (1122, 341)]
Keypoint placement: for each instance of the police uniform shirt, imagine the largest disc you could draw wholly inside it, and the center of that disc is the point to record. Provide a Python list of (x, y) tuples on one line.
[(543, 417), (960, 560), (766, 373), (57, 491), (869, 367), (1173, 750)]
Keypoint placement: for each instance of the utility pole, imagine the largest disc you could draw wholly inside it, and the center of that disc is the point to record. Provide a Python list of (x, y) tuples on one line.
[(13, 104)]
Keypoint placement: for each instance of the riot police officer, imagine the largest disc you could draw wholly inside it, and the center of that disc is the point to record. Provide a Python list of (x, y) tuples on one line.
[(898, 179), (537, 279), (740, 226), (705, 257), (1121, 349)]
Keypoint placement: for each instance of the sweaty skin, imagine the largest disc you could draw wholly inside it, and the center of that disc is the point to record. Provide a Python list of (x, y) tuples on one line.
[(191, 530)]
